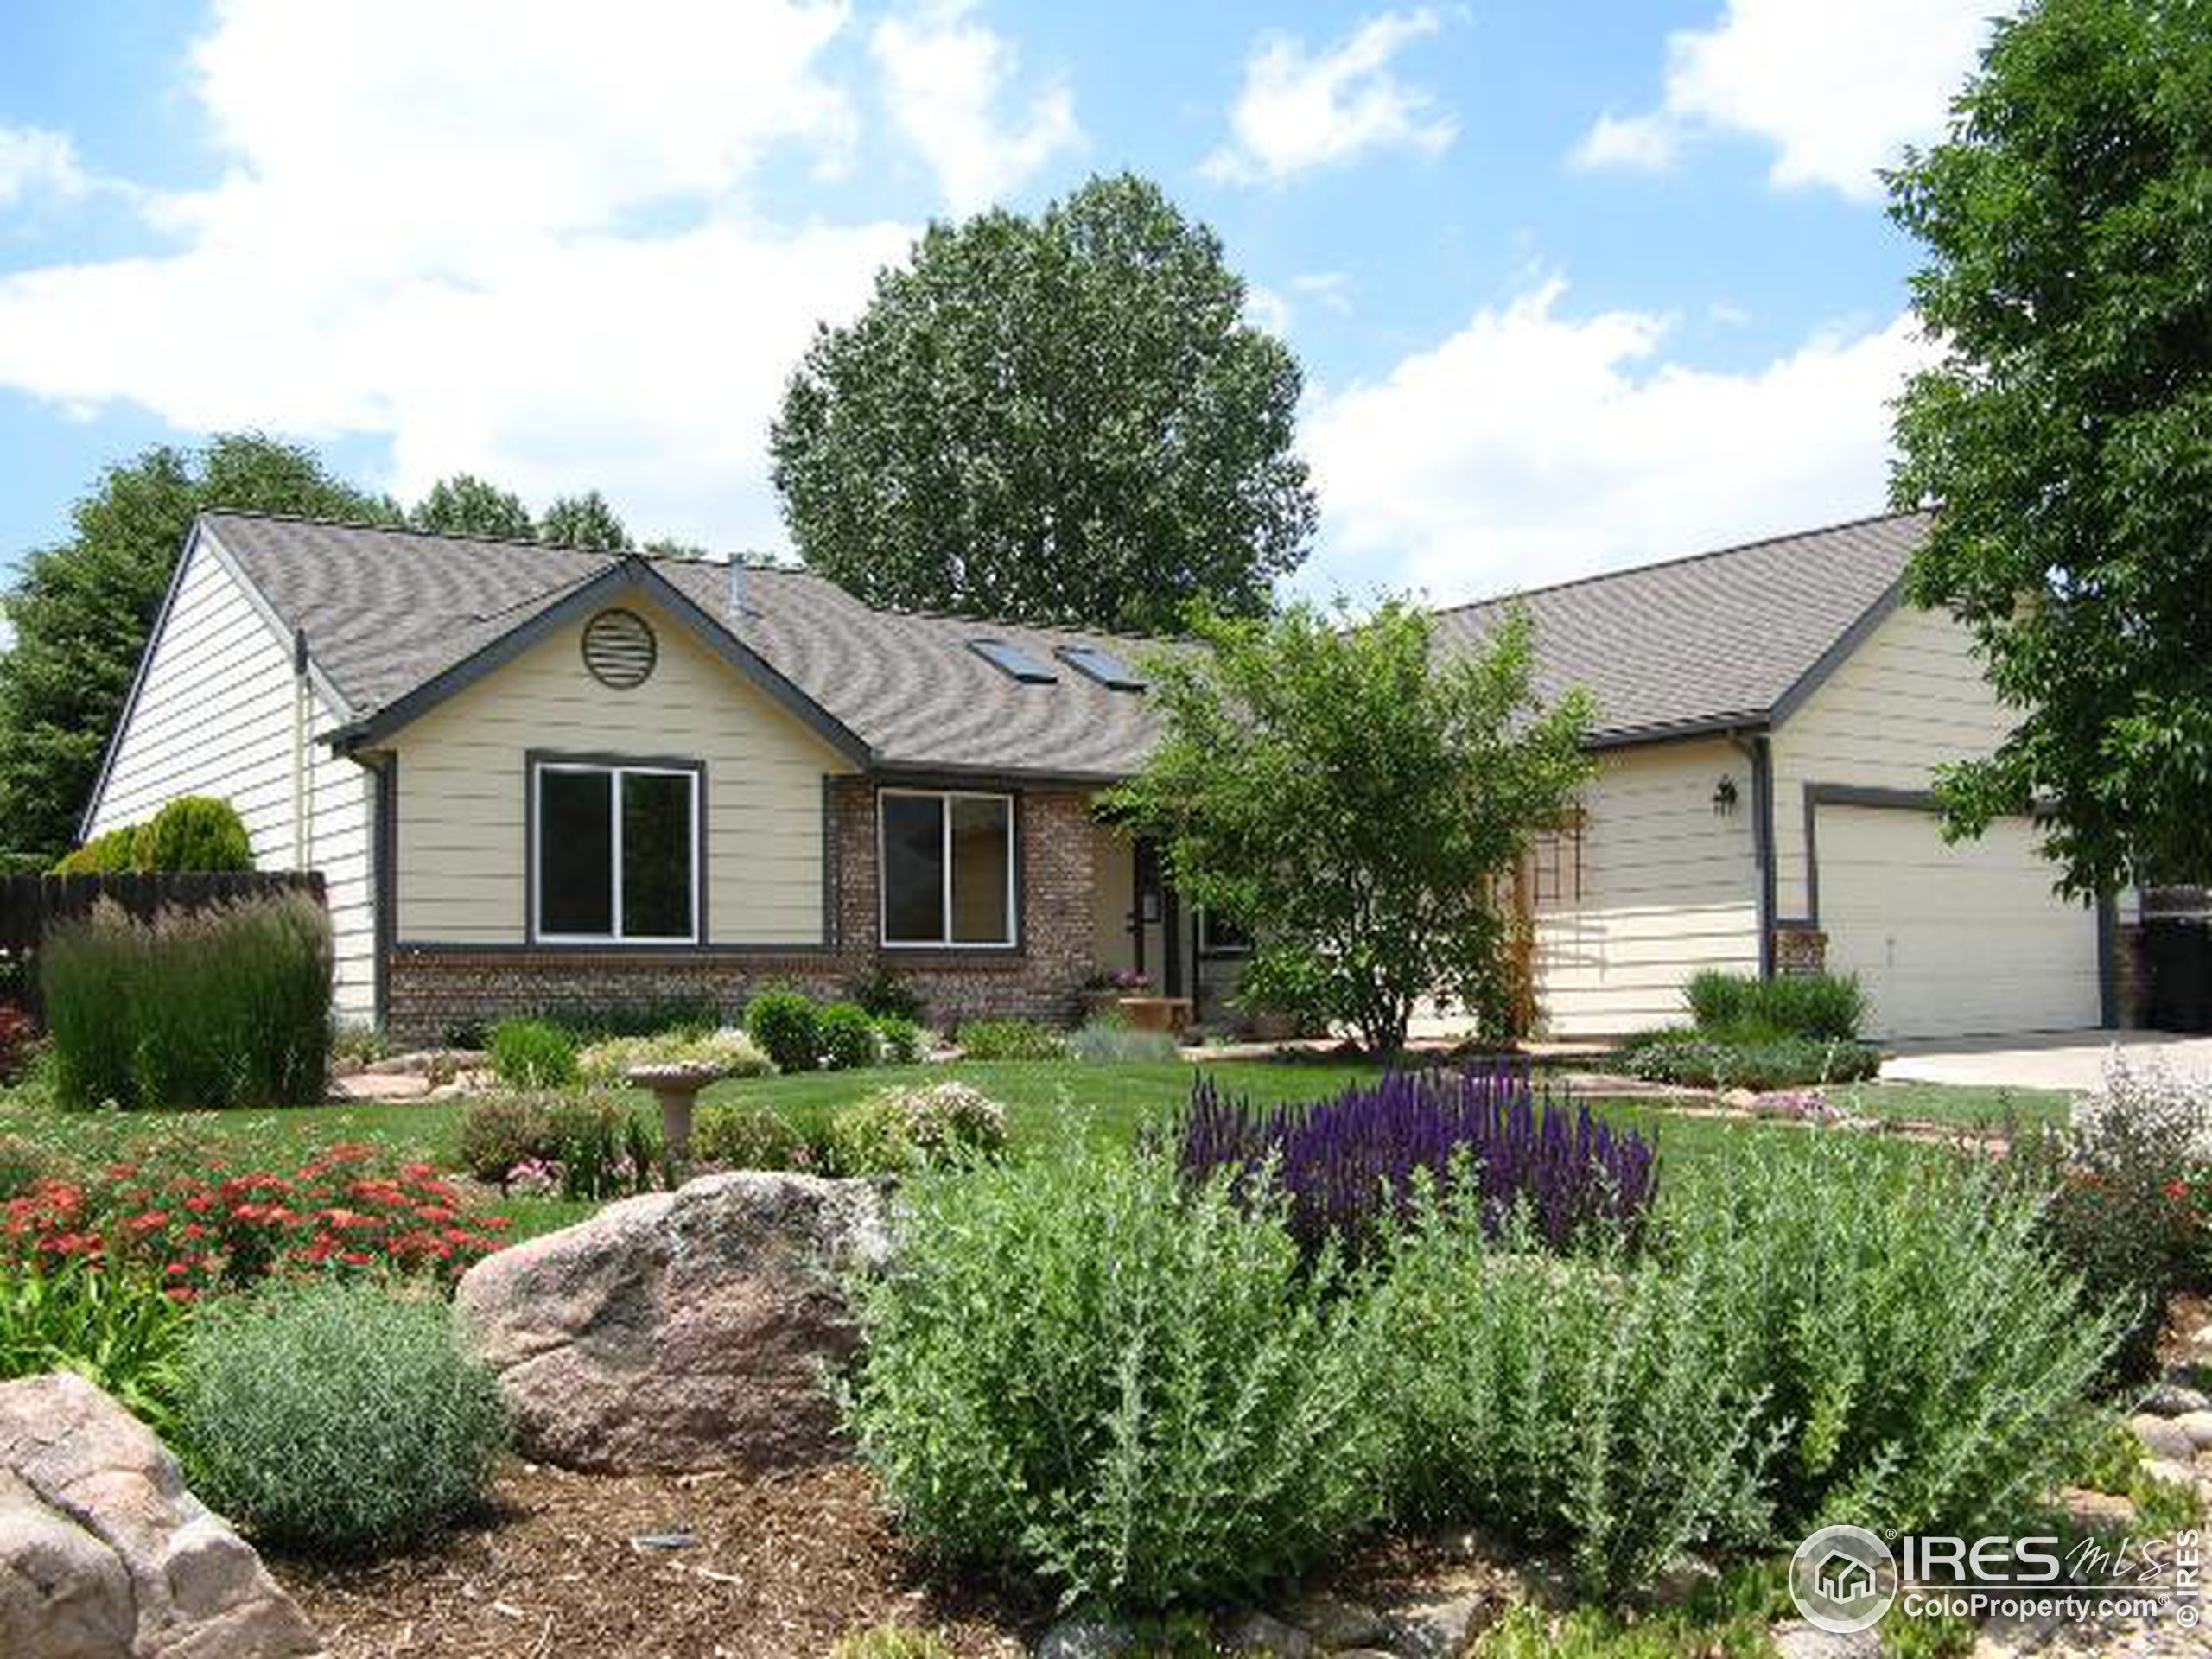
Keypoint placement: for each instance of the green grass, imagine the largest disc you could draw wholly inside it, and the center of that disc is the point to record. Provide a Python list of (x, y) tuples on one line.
[(1954, 1105), (1046, 1100)]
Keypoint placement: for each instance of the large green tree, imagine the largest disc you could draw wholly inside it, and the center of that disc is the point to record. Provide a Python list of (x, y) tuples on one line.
[(82, 608), (2066, 434), (1356, 804), (583, 520), (464, 505), (1063, 418)]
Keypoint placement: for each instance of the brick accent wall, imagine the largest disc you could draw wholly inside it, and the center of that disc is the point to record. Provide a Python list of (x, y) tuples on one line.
[(435, 991), (1800, 950)]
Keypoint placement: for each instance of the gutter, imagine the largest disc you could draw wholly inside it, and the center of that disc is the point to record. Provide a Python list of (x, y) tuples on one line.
[(1757, 749)]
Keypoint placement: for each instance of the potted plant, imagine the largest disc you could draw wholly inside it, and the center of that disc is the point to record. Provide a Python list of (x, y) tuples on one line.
[(1104, 991)]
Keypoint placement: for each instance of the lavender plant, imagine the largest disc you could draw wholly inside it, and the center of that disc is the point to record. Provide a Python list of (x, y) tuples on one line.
[(1351, 1162)]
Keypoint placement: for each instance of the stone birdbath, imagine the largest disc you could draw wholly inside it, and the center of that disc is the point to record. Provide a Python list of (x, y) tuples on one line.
[(675, 1085)]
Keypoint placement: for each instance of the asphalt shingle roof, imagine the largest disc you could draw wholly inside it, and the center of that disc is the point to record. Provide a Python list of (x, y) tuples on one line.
[(1716, 638), (1704, 640), (385, 610)]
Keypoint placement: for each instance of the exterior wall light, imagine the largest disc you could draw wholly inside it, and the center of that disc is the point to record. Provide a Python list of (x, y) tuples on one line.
[(1724, 798)]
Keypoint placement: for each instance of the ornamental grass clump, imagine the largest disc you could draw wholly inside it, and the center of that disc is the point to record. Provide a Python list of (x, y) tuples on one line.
[(336, 1420), (1173, 1408), (1349, 1164), (533, 1054), (229, 1005)]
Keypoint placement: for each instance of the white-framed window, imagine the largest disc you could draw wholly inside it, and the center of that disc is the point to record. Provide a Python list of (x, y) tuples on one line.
[(615, 852), (947, 860)]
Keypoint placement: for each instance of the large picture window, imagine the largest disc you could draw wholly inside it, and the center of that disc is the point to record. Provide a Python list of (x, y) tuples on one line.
[(948, 868), (616, 852)]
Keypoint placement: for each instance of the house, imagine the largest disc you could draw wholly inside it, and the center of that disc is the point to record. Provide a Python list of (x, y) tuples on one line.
[(1772, 718), (539, 776)]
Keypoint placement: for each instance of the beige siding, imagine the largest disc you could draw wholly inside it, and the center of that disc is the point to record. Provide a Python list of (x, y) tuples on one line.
[(460, 858), (1948, 939), (1668, 887), (214, 716), (1909, 699)]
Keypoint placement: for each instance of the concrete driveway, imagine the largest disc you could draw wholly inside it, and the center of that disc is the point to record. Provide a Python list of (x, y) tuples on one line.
[(2065, 1059)]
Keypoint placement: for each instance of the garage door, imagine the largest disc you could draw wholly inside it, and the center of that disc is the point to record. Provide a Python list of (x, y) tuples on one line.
[(1952, 941)]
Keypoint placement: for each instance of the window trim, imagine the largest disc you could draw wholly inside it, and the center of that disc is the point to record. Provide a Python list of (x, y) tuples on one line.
[(537, 763), (945, 798)]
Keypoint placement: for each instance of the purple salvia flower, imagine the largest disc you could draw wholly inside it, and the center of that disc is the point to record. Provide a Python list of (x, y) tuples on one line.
[(1347, 1163)]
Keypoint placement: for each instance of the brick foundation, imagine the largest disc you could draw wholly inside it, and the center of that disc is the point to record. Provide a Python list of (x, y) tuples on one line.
[(1800, 950), (435, 991)]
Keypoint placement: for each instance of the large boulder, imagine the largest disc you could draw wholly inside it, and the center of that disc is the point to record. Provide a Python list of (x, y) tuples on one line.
[(685, 1330), (103, 1554)]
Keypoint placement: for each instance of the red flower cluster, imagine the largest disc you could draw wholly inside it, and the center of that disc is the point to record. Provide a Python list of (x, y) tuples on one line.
[(206, 1230)]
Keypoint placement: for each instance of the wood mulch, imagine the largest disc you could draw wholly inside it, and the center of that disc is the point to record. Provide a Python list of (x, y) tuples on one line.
[(780, 1567)]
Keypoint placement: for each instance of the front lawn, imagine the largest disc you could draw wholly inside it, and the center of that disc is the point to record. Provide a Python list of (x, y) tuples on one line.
[(1048, 1103), (1108, 1104), (1954, 1105)]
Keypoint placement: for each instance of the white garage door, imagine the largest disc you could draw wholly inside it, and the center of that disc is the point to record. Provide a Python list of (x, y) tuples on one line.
[(1952, 941)]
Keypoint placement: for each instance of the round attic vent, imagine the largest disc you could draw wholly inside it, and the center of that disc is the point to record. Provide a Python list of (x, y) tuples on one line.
[(619, 648)]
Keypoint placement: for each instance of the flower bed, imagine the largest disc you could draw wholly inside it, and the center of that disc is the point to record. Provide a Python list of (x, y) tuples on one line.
[(1186, 1401), (202, 1231), (1702, 1060), (1351, 1164)]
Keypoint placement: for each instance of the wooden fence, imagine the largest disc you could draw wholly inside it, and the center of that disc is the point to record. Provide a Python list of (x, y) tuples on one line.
[(31, 905)]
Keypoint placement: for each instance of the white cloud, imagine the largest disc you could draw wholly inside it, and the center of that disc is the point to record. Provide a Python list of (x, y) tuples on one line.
[(1838, 90), (1299, 110), (519, 239), (1331, 289), (943, 75), (1265, 309), (35, 162), (1647, 143), (1532, 446)]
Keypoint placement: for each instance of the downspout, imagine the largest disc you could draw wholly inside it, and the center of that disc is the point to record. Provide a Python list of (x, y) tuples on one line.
[(1757, 750), (303, 784)]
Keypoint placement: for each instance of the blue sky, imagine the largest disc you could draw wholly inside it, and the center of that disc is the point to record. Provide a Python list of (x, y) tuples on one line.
[(1575, 285)]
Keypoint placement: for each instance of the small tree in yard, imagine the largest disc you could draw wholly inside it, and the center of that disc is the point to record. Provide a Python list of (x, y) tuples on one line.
[(1354, 801)]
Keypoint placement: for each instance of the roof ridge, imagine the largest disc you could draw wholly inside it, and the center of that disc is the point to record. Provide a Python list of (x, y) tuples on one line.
[(923, 614), (1679, 559), (752, 559)]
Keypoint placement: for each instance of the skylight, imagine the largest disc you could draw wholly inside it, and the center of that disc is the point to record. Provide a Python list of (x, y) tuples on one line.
[(1012, 662), (1102, 666)]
